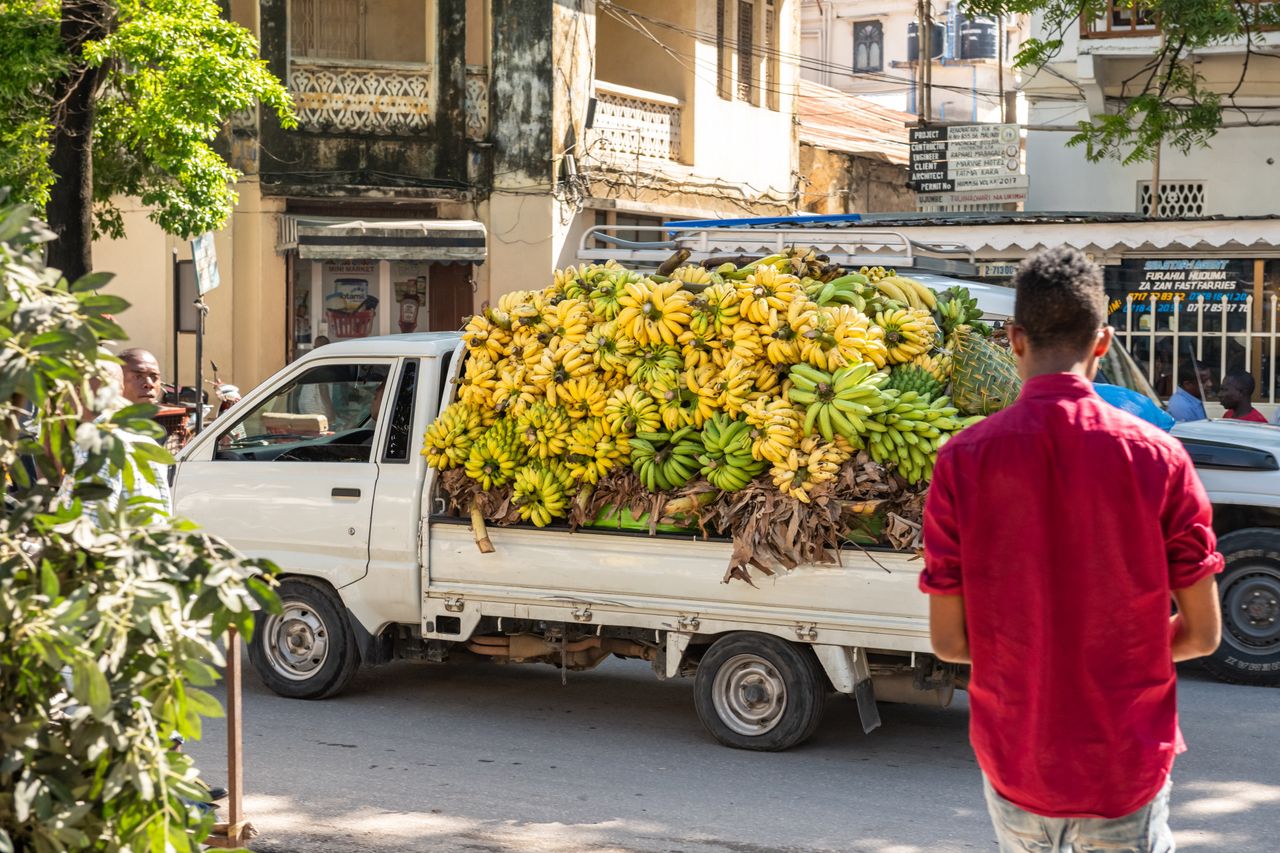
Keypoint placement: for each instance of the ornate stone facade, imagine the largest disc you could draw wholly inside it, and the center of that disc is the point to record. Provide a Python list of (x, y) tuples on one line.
[(367, 98)]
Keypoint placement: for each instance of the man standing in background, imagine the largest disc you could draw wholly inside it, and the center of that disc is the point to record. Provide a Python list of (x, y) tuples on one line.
[(1194, 381)]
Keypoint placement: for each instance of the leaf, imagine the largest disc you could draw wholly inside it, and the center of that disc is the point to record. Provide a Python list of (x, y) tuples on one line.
[(203, 703), (91, 281), (48, 581), (89, 686)]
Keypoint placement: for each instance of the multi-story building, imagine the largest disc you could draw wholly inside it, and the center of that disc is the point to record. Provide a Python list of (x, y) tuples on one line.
[(873, 48), (1238, 174), (449, 151)]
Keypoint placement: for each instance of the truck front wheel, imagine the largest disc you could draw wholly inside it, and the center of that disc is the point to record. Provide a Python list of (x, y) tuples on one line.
[(306, 651), (1249, 588), (756, 691)]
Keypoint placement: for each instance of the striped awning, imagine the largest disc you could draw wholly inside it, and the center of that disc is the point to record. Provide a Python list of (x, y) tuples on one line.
[(446, 240)]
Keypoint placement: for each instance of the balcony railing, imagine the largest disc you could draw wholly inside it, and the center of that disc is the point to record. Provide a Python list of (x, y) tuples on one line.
[(631, 123), (346, 96), (1121, 19)]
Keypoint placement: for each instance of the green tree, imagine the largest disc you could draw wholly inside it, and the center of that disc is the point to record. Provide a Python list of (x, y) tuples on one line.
[(104, 98), (1166, 100), (128, 603)]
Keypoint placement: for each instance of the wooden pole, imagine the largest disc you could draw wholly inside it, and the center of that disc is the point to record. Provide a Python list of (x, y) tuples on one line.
[(236, 831)]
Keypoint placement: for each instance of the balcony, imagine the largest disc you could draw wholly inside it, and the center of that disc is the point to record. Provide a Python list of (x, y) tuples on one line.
[(1126, 19), (353, 96), (632, 124)]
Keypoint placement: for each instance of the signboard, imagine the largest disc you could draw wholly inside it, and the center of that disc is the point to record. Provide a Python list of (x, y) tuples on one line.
[(975, 197), (966, 157), (206, 261), (1157, 283), (997, 269)]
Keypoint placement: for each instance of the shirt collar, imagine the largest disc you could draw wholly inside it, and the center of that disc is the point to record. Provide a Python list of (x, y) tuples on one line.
[(1056, 386)]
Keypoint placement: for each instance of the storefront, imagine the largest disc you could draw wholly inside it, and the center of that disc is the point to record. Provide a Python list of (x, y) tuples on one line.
[(353, 279)]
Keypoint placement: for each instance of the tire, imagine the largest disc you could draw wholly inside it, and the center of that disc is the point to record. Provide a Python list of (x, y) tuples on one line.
[(307, 651), (1249, 588), (756, 691)]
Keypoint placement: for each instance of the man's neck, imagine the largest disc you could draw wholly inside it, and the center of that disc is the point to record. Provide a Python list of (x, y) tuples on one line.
[(1031, 368), (1242, 409)]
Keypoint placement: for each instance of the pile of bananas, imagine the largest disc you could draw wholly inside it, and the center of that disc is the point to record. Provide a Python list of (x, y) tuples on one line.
[(774, 373)]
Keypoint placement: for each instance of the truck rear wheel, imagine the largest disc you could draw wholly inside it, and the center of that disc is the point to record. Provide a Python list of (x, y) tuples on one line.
[(306, 651), (756, 691), (1249, 588)]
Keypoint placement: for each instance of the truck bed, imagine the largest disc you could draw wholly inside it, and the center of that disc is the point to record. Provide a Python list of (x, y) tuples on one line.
[(662, 582)]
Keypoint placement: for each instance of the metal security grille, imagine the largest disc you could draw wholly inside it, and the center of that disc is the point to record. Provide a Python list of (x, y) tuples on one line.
[(771, 84), (327, 29), (746, 50), (1177, 199), (723, 82)]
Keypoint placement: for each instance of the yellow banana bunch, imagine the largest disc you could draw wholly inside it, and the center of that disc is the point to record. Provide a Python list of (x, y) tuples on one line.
[(507, 390), (743, 343), (544, 430), (483, 337), (593, 452), (907, 333), (775, 425), (447, 442), (715, 310), (568, 321), (477, 383), (571, 282), (540, 492), (678, 406), (835, 337), (781, 331), (699, 349), (807, 467), (767, 291), (654, 312), (610, 351), (495, 455), (693, 274), (582, 397), (558, 366), (631, 410)]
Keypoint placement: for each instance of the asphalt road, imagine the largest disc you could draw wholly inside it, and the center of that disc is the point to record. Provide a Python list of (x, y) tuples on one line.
[(478, 757)]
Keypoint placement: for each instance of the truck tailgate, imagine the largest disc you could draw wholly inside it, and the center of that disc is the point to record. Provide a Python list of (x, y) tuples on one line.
[(873, 595)]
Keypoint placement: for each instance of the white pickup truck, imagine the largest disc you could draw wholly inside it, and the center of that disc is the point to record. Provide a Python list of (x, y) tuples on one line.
[(373, 570)]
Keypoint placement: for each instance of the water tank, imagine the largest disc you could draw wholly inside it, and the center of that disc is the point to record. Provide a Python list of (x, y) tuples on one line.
[(937, 40), (977, 38)]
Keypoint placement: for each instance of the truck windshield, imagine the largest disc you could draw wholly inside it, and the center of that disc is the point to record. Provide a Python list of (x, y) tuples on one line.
[(1118, 368)]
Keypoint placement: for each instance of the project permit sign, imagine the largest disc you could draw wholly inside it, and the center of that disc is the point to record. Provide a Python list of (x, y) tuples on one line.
[(965, 158)]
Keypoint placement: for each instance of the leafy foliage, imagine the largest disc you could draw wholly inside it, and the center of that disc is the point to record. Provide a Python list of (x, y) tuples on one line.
[(1166, 100), (173, 72), (127, 603)]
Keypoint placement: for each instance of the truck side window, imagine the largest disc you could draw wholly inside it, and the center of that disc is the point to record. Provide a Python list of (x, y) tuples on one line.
[(328, 414), (401, 425)]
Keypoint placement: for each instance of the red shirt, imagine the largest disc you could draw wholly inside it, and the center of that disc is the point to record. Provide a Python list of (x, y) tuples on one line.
[(1254, 415), (1065, 523)]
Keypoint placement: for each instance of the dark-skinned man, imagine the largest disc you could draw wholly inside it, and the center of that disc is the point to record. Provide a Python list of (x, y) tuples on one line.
[(1056, 534)]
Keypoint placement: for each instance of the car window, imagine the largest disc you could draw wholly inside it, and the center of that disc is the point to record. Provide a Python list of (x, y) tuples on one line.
[(329, 414), (400, 427)]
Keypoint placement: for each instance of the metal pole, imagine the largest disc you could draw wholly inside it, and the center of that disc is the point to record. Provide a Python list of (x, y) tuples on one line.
[(201, 309), (1000, 66), (177, 316)]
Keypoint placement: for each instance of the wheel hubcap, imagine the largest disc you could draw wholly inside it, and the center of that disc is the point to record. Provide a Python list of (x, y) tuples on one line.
[(296, 641), (749, 695), (1251, 605)]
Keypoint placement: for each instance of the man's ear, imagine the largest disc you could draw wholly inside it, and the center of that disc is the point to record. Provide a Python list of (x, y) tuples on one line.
[(1017, 339), (1103, 343)]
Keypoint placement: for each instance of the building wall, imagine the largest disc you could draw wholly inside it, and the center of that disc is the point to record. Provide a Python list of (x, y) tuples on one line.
[(837, 182)]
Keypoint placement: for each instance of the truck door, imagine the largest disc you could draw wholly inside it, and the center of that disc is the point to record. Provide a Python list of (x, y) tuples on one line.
[(293, 479)]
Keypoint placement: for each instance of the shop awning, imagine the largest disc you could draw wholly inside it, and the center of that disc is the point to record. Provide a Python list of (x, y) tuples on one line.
[(443, 240)]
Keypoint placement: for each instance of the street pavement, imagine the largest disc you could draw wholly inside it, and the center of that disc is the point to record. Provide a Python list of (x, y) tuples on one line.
[(478, 758)]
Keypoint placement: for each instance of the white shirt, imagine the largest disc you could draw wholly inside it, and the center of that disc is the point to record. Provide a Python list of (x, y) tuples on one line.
[(115, 480)]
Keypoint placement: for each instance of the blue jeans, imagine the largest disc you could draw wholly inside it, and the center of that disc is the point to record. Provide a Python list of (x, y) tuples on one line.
[(1020, 831)]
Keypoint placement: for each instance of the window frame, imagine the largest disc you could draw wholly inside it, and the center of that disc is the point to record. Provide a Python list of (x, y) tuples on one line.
[(861, 26), (429, 36)]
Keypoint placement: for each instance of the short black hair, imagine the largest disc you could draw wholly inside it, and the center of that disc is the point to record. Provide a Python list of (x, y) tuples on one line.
[(1243, 380), (1189, 371), (1060, 302)]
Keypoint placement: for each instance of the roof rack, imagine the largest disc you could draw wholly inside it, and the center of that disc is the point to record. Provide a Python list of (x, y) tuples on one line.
[(846, 247)]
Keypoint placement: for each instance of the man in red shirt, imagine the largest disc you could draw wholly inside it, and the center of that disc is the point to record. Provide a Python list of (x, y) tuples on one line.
[(1055, 533), (1236, 397)]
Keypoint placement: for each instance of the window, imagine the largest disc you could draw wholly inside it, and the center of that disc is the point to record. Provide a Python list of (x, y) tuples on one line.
[(773, 85), (369, 30), (328, 415), (868, 46), (746, 50), (1177, 199), (723, 71), (400, 429)]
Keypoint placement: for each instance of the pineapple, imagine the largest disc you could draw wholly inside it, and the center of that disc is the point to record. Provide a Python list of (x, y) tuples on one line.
[(984, 376)]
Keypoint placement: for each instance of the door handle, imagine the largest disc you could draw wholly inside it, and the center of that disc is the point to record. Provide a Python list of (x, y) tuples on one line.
[(339, 492)]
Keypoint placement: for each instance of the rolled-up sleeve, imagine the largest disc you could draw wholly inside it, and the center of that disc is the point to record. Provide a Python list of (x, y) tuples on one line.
[(1190, 543), (941, 575)]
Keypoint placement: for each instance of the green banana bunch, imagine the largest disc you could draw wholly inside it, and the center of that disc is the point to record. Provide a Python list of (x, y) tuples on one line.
[(851, 289), (665, 460), (836, 403), (727, 462), (956, 308), (778, 262), (909, 428)]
